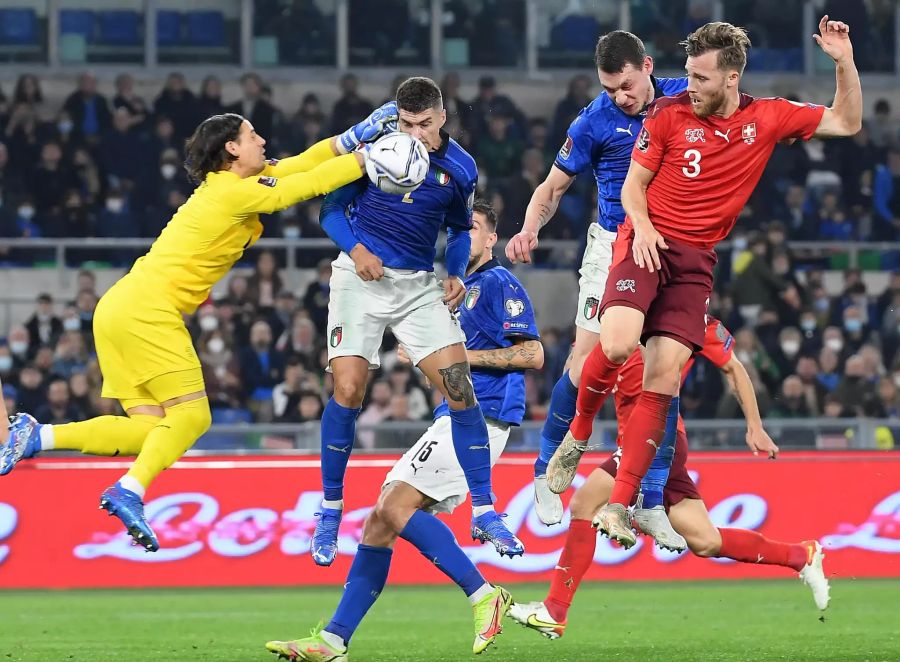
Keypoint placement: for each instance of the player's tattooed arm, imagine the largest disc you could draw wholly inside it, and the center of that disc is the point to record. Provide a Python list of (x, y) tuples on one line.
[(523, 355), (458, 383)]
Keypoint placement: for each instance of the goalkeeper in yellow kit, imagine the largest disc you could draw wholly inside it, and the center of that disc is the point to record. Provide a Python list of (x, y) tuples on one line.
[(145, 352)]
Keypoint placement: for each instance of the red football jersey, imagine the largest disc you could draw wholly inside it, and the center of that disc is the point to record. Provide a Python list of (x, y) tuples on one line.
[(718, 346), (706, 168)]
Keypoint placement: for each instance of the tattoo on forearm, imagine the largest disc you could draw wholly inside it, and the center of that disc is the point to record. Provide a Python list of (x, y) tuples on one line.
[(545, 213), (458, 383), (516, 357)]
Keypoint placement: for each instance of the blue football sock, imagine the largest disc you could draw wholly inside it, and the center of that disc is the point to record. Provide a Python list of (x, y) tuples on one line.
[(654, 481), (473, 451), (338, 433), (365, 581), (436, 542), (559, 416)]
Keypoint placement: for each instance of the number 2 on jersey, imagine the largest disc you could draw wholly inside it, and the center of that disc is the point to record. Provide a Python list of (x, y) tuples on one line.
[(693, 157), (407, 198)]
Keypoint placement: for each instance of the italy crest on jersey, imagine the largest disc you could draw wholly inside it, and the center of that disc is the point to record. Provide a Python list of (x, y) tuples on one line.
[(337, 334), (442, 176), (591, 305), (472, 297)]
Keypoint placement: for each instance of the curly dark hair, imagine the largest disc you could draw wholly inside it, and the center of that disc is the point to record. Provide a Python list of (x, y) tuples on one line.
[(205, 150)]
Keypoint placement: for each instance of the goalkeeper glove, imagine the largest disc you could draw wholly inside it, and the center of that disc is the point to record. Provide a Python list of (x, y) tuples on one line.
[(382, 120)]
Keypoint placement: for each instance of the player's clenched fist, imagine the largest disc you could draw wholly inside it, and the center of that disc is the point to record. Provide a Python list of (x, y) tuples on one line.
[(646, 245), (368, 266), (454, 291), (383, 119), (520, 246)]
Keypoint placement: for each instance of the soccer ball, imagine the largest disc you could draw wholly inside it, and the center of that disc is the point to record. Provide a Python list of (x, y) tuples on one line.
[(397, 163)]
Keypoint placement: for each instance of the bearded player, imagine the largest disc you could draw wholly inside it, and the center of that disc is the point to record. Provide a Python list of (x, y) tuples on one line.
[(600, 138), (695, 163), (687, 511), (145, 351)]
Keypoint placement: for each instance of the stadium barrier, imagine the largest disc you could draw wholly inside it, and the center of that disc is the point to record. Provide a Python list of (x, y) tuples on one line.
[(227, 521)]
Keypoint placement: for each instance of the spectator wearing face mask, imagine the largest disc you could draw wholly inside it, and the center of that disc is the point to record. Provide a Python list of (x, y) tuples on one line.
[(220, 370), (262, 368), (855, 328), (8, 369), (833, 339), (790, 342)]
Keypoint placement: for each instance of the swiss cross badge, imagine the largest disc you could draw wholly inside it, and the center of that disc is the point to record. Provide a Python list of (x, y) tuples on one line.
[(748, 133)]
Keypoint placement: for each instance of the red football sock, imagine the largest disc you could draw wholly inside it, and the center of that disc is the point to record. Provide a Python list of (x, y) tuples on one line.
[(574, 561), (647, 422), (753, 547), (599, 374)]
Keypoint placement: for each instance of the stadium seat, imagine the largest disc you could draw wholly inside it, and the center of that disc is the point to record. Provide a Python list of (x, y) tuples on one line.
[(77, 21), (18, 27), (120, 27), (168, 28), (205, 28)]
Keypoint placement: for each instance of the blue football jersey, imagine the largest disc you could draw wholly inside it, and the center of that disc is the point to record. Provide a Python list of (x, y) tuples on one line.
[(402, 230), (495, 312), (602, 136)]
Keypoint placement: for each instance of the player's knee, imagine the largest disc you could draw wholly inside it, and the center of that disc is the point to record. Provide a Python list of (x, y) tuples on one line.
[(619, 348), (391, 515), (376, 531), (349, 393)]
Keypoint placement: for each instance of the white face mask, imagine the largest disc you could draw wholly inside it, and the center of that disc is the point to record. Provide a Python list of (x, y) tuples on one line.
[(208, 323), (291, 232), (18, 347), (744, 356), (65, 126), (72, 324), (834, 344), (115, 205), (216, 345), (26, 212), (790, 347), (168, 170), (6, 363)]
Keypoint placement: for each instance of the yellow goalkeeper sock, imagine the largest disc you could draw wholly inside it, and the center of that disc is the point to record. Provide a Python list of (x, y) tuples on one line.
[(171, 438), (105, 435)]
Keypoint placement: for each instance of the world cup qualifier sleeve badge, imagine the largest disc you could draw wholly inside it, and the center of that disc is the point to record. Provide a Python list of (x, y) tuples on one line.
[(337, 334), (591, 305)]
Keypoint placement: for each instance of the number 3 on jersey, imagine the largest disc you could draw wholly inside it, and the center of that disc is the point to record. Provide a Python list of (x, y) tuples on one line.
[(692, 169)]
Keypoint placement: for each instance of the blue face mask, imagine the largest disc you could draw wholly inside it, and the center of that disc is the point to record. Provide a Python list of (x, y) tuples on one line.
[(853, 325), (821, 305), (808, 325)]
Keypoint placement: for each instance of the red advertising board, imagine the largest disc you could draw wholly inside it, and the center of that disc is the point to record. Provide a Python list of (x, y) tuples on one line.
[(247, 521)]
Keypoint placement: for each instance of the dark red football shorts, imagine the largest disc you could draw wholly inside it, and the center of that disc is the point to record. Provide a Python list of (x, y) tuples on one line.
[(674, 299), (680, 485)]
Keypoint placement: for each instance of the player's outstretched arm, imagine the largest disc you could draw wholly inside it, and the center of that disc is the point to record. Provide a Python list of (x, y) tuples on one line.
[(541, 208), (322, 151), (647, 241), (524, 354), (742, 387), (265, 195), (844, 118)]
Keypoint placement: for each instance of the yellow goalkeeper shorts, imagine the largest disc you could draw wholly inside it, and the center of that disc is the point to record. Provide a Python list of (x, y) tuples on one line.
[(140, 337)]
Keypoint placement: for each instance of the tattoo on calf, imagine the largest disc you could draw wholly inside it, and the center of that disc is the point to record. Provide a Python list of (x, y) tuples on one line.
[(458, 383)]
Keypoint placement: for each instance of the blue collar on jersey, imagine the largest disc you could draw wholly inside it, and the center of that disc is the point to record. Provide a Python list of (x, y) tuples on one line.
[(657, 91), (490, 264)]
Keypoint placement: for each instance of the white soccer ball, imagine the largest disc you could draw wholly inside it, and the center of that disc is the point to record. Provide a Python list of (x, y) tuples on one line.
[(397, 163)]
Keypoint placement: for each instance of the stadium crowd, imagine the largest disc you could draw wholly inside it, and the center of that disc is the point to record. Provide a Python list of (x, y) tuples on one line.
[(72, 172)]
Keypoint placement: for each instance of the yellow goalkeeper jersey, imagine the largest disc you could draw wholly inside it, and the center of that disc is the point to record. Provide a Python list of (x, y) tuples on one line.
[(220, 220)]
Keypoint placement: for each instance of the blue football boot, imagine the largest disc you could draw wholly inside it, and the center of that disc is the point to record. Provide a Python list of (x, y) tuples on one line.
[(323, 546), (24, 442), (128, 507), (489, 527)]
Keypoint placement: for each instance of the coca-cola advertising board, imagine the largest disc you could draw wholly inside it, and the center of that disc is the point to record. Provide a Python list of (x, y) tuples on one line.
[(247, 521)]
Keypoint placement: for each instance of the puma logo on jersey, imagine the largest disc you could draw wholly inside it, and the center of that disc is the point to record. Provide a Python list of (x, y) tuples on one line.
[(598, 392), (624, 129), (653, 443), (724, 135)]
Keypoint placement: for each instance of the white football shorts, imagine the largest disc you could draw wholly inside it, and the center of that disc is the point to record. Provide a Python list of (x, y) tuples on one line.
[(592, 281)]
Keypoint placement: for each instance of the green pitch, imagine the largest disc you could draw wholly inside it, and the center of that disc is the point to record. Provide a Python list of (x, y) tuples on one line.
[(758, 621)]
